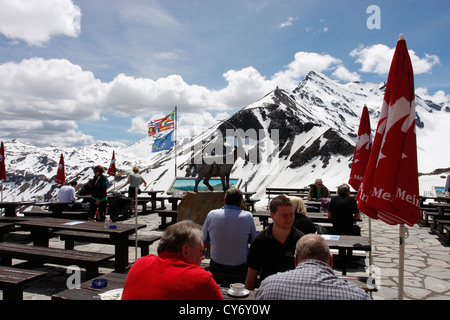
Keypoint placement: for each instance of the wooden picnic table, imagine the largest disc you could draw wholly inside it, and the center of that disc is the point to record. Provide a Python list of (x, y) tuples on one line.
[(87, 292), (12, 206), (441, 206), (12, 281), (346, 245), (40, 232), (117, 281)]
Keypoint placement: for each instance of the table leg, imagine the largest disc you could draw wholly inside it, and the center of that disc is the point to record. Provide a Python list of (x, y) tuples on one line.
[(121, 253), (10, 211), (40, 237)]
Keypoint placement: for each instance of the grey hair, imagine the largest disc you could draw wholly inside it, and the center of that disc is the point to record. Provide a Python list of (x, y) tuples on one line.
[(343, 189), (312, 246), (182, 233)]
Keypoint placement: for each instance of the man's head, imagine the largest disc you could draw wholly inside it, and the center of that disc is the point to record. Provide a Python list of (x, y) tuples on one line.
[(319, 183), (233, 197), (73, 183), (184, 238), (313, 246), (344, 190), (282, 212)]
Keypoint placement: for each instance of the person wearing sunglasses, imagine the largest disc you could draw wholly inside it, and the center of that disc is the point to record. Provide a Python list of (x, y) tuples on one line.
[(175, 273)]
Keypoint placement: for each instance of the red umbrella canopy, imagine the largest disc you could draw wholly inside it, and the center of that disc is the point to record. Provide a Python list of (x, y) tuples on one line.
[(390, 188), (362, 151), (60, 175), (112, 166), (2, 162)]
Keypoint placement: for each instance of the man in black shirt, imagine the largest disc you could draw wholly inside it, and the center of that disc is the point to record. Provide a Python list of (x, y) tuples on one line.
[(273, 249), (343, 211)]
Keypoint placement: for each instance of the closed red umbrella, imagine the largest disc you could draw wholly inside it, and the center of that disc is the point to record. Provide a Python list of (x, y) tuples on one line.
[(60, 174), (362, 151), (112, 166), (390, 188)]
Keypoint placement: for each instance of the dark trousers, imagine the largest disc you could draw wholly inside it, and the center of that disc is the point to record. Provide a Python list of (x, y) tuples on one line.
[(101, 210), (225, 275)]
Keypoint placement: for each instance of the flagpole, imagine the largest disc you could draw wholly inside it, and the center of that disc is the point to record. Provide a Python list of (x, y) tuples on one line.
[(175, 141)]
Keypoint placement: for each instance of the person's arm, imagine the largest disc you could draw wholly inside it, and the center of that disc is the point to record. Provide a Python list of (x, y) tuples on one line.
[(250, 281)]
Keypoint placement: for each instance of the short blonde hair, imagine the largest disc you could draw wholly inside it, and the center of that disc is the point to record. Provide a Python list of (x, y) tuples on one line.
[(136, 170)]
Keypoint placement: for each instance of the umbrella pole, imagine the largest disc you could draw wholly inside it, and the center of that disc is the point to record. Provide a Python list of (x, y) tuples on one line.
[(370, 241), (401, 264), (135, 223)]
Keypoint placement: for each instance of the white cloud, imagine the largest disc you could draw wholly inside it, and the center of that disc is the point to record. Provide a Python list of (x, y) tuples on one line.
[(56, 93), (303, 63), (45, 133), (36, 22), (53, 89), (377, 59), (344, 74), (438, 97), (287, 23)]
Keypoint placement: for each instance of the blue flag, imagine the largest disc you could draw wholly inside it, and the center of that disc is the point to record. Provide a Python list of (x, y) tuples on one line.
[(163, 143)]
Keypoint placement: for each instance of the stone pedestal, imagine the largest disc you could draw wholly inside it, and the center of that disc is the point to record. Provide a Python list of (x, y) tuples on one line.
[(195, 206)]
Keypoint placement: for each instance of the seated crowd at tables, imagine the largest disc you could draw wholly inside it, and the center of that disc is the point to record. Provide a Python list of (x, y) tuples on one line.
[(281, 261)]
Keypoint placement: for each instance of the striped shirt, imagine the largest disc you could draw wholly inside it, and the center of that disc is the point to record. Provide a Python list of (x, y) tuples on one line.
[(310, 280)]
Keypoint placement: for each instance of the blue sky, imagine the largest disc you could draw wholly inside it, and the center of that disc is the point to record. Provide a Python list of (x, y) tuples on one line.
[(74, 72)]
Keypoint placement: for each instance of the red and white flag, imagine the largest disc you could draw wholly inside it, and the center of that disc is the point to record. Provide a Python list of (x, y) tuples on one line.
[(390, 188), (2, 162), (60, 174), (362, 151), (112, 166)]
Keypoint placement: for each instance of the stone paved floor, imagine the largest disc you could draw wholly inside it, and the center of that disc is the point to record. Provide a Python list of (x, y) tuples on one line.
[(427, 262)]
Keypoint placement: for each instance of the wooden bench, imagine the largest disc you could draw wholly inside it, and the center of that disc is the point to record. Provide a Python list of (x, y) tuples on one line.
[(69, 236), (36, 254), (73, 215), (164, 214), (250, 203), (12, 281), (274, 192)]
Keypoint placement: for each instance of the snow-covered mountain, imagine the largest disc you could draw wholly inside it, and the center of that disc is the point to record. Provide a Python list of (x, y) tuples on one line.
[(290, 139)]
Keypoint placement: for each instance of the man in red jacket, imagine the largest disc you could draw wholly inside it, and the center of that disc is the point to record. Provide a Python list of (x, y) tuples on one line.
[(175, 273)]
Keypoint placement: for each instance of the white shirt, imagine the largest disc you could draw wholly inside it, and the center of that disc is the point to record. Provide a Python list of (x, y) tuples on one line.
[(66, 194)]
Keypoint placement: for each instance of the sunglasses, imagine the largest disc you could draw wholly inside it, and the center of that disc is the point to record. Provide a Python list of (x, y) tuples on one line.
[(202, 251)]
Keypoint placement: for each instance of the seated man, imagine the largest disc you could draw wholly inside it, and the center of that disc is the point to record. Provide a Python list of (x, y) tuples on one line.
[(272, 250), (312, 279), (318, 191), (175, 273), (343, 211), (67, 193), (227, 232)]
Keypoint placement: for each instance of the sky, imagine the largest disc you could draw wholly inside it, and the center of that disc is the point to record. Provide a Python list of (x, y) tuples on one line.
[(75, 72)]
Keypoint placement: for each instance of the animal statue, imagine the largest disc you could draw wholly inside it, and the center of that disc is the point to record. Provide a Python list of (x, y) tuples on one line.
[(208, 170)]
